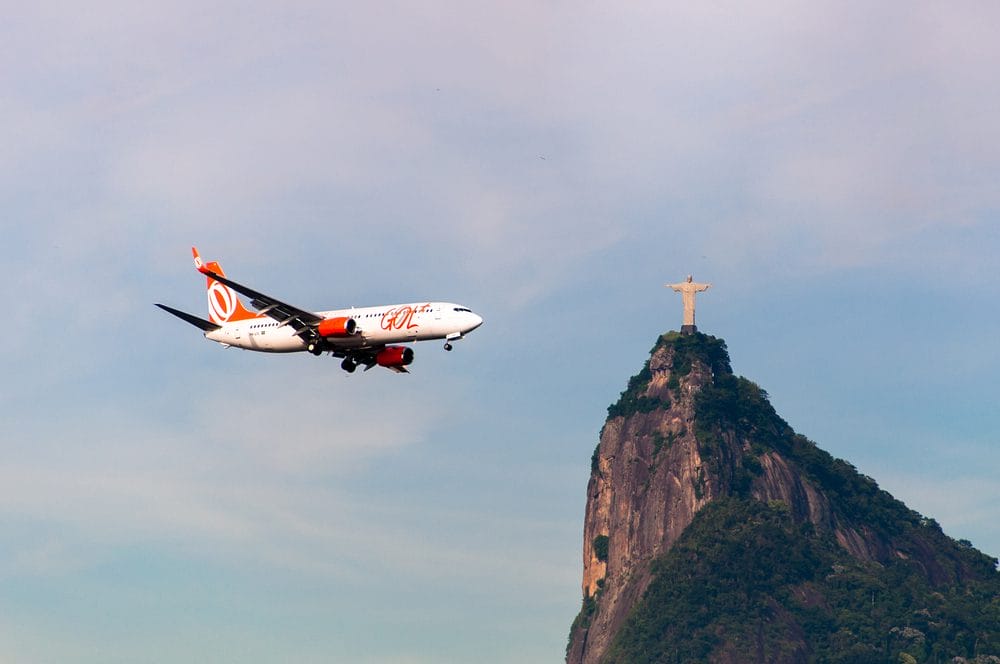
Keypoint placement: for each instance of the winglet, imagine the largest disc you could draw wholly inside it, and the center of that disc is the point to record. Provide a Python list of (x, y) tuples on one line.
[(198, 264)]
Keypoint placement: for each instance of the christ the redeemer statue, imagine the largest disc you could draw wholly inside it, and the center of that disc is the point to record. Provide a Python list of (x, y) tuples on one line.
[(687, 289)]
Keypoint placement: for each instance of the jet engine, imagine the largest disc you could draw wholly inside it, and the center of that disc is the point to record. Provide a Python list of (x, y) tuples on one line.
[(337, 327), (394, 356)]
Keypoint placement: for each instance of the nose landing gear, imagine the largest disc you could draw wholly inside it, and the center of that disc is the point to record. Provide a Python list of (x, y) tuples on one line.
[(454, 336)]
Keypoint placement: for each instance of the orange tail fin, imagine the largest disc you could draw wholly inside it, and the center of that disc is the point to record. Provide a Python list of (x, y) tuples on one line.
[(224, 305)]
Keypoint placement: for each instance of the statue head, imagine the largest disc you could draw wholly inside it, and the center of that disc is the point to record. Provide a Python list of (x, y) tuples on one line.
[(690, 278)]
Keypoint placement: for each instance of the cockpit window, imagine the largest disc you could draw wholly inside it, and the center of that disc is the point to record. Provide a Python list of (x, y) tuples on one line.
[(463, 309)]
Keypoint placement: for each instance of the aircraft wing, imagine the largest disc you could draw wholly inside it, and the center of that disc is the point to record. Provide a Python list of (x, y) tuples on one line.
[(301, 321)]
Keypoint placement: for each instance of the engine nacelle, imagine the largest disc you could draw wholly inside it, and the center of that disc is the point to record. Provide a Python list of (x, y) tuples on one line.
[(337, 327), (394, 356)]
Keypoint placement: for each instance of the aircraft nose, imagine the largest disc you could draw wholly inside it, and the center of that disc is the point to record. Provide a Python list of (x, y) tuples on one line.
[(475, 321)]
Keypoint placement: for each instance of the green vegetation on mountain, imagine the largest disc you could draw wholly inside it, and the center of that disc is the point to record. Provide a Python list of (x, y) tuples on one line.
[(746, 580), (601, 547), (633, 400), (687, 349)]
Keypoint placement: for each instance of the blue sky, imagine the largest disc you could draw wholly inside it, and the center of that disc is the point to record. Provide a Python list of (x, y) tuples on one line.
[(830, 167)]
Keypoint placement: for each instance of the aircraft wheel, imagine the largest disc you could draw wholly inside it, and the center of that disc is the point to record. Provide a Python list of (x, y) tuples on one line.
[(448, 346), (348, 366)]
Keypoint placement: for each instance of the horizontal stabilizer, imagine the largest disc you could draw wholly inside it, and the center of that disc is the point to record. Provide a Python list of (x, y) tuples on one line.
[(205, 325)]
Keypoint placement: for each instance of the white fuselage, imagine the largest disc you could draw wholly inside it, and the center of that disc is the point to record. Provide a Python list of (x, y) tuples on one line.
[(377, 326)]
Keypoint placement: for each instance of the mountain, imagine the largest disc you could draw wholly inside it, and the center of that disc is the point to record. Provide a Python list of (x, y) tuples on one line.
[(713, 532)]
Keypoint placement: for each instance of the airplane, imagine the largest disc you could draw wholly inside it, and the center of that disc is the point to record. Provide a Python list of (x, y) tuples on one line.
[(361, 337)]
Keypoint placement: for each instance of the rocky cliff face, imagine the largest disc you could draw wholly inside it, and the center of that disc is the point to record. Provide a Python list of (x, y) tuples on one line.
[(648, 481), (687, 432)]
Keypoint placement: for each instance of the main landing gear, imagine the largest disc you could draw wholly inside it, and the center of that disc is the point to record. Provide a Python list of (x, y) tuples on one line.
[(351, 360)]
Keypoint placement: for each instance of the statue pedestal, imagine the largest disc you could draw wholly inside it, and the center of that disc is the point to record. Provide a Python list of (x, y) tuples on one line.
[(689, 329)]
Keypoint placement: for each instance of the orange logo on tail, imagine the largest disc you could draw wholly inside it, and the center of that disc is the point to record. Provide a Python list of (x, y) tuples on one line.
[(224, 305)]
